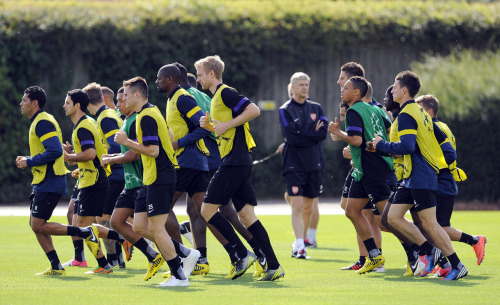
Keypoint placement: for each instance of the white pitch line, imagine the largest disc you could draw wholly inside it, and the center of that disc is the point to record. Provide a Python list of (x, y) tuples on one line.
[(271, 207)]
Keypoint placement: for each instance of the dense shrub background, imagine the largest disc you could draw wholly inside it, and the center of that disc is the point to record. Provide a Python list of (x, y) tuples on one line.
[(62, 45)]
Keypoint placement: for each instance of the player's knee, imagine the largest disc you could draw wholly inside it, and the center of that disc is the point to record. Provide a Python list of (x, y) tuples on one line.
[(343, 203), (38, 225), (141, 229), (297, 206), (426, 224), (206, 212), (307, 210), (429, 226), (352, 213), (393, 220), (246, 220), (381, 226), (116, 222)]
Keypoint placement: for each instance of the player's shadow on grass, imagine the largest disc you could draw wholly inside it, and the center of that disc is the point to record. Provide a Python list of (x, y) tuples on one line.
[(322, 260), (124, 273), (246, 280), (468, 278), (133, 271), (120, 275), (280, 283), (153, 285), (344, 262), (191, 288), (70, 278), (396, 275), (328, 249)]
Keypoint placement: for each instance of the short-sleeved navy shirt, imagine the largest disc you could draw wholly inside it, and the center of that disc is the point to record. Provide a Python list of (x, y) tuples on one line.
[(237, 103), (87, 141), (165, 170)]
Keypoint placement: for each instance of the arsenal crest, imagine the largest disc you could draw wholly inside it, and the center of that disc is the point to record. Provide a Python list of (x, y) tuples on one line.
[(313, 116), (295, 189)]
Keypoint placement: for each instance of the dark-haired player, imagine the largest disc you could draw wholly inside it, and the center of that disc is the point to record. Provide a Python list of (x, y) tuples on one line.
[(125, 204), (419, 145), (183, 119), (93, 182), (49, 181), (370, 169), (154, 201), (347, 71)]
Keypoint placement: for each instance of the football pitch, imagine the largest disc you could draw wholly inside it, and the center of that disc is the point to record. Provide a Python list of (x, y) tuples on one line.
[(315, 281)]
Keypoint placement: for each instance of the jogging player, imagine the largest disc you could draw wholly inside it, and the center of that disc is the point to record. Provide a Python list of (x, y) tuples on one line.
[(347, 71), (228, 210), (231, 113), (154, 201), (125, 204), (419, 145), (370, 170), (447, 190), (49, 181), (108, 123), (93, 182)]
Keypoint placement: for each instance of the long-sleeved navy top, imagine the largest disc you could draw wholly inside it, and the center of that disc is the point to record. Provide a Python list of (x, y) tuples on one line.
[(423, 176), (302, 151), (108, 124), (53, 150)]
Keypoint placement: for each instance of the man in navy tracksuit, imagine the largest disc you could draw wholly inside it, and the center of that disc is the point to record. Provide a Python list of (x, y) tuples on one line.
[(304, 126)]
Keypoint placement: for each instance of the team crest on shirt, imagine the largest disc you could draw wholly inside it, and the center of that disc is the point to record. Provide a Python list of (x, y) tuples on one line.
[(295, 189), (313, 116)]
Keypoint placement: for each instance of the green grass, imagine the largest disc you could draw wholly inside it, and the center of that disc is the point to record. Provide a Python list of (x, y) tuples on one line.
[(315, 281)]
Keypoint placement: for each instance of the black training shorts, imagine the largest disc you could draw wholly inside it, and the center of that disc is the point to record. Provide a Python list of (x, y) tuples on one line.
[(43, 204), (231, 182)]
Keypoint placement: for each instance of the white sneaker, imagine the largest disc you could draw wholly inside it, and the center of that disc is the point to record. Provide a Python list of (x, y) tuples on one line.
[(380, 269), (173, 281), (301, 254), (419, 265), (190, 261)]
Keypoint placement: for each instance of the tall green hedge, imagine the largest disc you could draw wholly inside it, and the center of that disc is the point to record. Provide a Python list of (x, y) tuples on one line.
[(42, 42)]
